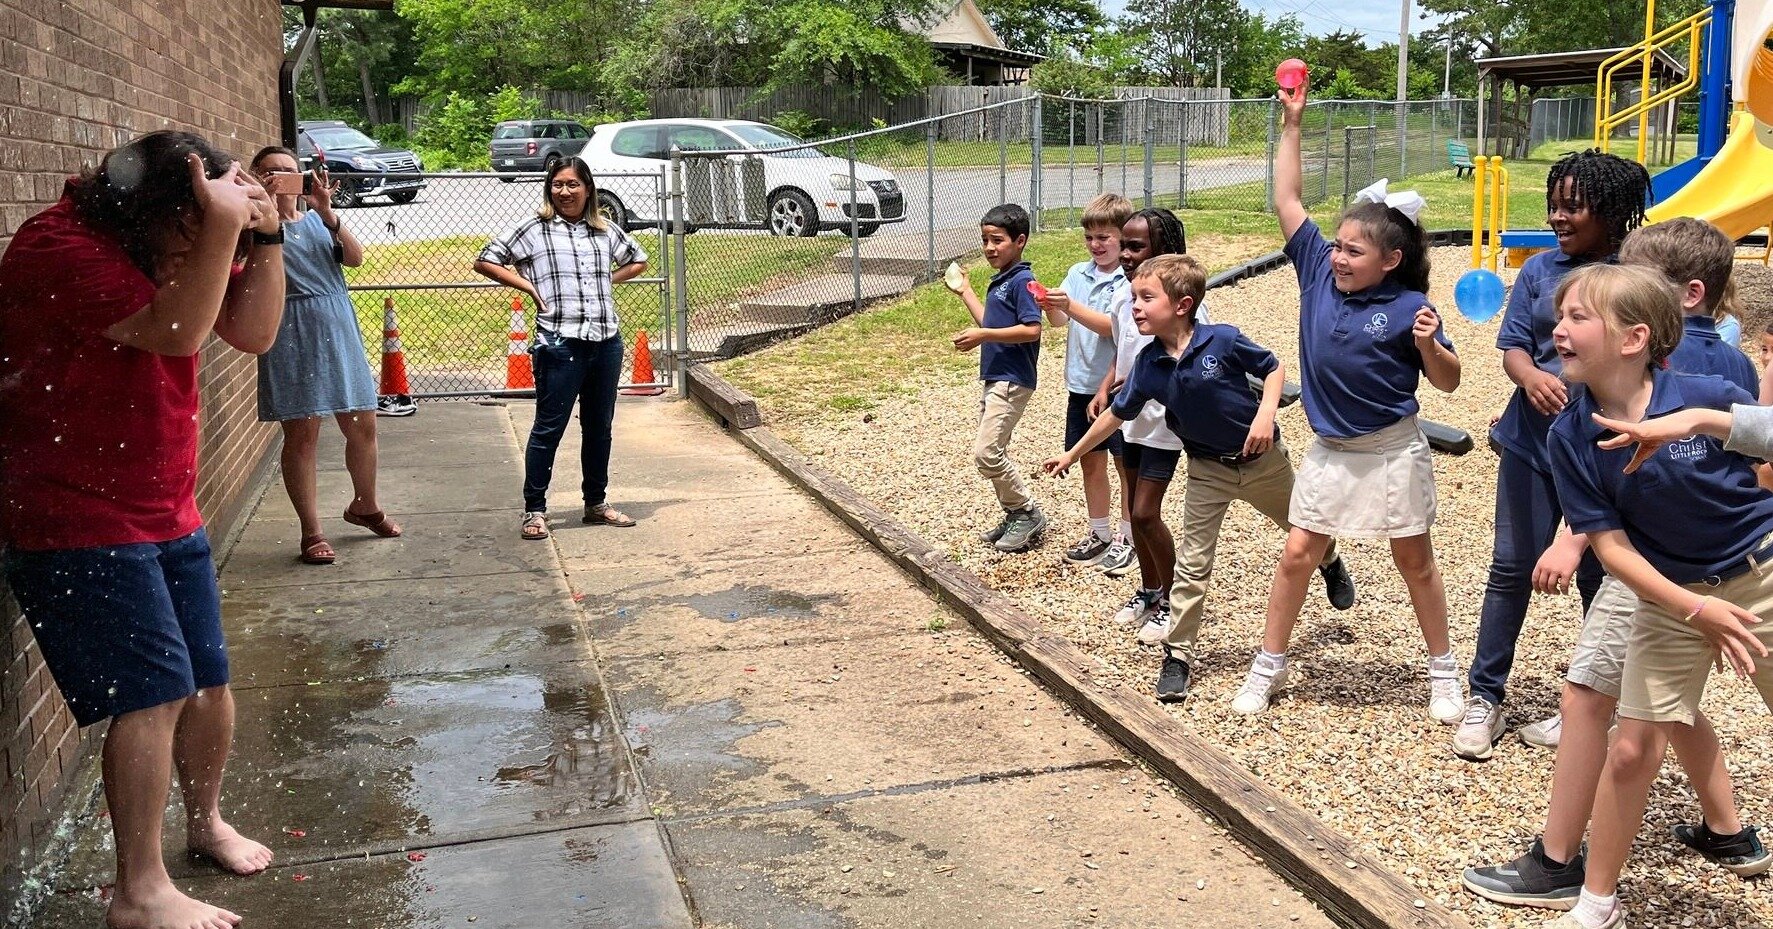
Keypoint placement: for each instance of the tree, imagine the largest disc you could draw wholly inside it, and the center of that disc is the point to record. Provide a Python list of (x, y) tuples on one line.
[(858, 44), (1047, 27), (1067, 76), (1182, 40), (1262, 43)]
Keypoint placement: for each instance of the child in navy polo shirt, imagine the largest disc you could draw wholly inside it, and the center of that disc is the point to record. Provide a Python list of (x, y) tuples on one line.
[(1689, 532), (1006, 332), (1696, 259), (1199, 372), (1367, 335), (1592, 200)]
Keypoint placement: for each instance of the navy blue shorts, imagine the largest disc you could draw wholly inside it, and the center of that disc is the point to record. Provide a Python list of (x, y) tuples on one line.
[(125, 627), (1152, 464), (1077, 422)]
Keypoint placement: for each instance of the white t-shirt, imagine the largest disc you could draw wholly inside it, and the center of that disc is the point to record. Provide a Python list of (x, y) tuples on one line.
[(1148, 428)]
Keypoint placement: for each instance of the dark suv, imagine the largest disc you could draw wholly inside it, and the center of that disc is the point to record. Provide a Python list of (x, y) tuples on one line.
[(359, 163), (535, 144)]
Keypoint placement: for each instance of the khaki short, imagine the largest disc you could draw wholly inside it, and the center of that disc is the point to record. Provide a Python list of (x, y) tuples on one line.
[(1667, 661), (1377, 486), (1599, 662)]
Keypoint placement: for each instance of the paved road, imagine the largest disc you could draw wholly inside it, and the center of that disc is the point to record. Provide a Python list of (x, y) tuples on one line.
[(477, 207)]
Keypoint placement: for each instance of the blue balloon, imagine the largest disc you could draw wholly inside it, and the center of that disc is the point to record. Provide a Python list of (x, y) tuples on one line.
[(1479, 295)]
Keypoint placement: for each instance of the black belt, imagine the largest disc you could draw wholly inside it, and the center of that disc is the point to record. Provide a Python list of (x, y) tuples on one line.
[(1750, 562), (1230, 461)]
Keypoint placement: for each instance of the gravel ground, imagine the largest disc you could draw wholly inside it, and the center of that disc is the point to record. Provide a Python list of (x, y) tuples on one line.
[(1351, 740)]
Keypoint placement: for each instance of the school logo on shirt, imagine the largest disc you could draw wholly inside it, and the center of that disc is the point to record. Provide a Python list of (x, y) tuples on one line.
[(1377, 325), (1209, 367), (1691, 448)]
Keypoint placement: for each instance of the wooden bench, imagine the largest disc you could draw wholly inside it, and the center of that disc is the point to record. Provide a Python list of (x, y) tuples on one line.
[(1460, 155)]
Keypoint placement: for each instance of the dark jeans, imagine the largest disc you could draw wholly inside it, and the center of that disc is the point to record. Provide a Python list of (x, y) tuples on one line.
[(1527, 517), (574, 369)]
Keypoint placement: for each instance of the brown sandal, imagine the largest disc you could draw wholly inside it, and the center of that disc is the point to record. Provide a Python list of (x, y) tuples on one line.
[(316, 550), (535, 526), (605, 515), (376, 522)]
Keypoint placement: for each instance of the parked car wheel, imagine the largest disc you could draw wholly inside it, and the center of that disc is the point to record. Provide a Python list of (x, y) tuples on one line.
[(792, 213), (612, 209), (549, 166), (345, 195), (408, 196)]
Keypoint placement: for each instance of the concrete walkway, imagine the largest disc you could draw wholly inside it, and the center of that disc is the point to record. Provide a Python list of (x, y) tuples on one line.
[(750, 718)]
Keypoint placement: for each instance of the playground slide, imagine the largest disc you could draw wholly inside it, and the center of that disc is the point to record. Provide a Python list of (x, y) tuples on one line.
[(1733, 192)]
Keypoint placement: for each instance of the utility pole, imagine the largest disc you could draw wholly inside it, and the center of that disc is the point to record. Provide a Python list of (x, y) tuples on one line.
[(1447, 82), (1218, 68), (1403, 53)]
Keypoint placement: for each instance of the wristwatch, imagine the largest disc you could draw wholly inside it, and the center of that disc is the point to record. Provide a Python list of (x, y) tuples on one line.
[(268, 238)]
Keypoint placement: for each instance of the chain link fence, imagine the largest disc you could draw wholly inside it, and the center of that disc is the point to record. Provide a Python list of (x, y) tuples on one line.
[(753, 236), (456, 327), (769, 254), (1561, 119)]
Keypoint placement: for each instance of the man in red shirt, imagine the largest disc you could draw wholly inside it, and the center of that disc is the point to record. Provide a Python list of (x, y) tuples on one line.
[(105, 300)]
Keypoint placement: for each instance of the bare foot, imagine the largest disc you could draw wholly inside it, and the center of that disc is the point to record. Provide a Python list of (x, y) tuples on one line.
[(234, 852), (164, 907)]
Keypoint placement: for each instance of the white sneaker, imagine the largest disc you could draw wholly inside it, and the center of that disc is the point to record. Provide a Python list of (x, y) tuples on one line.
[(1480, 728), (1545, 733), (1137, 610), (1446, 692), (1260, 686), (1156, 627)]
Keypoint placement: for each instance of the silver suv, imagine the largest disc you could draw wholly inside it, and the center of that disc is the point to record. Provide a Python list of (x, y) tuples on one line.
[(528, 145)]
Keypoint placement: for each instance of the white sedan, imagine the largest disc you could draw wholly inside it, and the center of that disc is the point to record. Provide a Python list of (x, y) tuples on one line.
[(778, 183)]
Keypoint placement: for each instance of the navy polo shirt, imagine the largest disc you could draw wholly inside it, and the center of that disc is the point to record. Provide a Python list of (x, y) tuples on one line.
[(1207, 401), (1008, 303), (1527, 323), (1702, 351), (1693, 509), (1358, 357)]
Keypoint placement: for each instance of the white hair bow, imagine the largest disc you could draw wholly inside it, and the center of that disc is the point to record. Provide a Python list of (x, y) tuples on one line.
[(1407, 202)]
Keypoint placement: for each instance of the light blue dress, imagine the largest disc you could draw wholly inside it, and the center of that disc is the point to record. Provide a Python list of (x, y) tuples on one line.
[(317, 366)]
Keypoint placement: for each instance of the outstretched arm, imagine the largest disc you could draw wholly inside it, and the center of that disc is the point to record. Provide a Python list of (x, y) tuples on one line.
[(1289, 170)]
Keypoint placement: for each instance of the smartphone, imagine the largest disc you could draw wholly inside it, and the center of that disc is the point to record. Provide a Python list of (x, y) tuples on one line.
[(286, 182)]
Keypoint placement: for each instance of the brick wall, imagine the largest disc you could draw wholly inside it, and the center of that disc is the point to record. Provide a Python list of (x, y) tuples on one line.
[(77, 79)]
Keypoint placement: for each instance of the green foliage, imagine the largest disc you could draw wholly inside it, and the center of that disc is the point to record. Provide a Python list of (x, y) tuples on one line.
[(1344, 86), (827, 41), (1069, 77), (800, 123), (344, 114), (1048, 27), (458, 128), (393, 135), (476, 46)]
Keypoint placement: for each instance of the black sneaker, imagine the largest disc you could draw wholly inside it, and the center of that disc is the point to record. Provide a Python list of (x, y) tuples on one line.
[(1172, 680), (395, 405), (1742, 853), (990, 536), (1337, 584), (1530, 880)]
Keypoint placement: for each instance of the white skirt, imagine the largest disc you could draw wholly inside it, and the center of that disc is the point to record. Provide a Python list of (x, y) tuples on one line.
[(1376, 486)]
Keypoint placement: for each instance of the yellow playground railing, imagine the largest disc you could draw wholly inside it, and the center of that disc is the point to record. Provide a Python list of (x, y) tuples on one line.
[(1489, 210), (1690, 30)]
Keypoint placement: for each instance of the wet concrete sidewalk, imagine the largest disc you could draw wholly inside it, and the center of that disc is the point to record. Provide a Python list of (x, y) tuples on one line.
[(792, 734)]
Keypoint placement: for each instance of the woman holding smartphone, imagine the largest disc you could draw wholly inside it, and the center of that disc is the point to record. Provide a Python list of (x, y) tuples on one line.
[(317, 367)]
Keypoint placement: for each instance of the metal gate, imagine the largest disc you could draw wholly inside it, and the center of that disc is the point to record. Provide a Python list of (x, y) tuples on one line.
[(461, 335)]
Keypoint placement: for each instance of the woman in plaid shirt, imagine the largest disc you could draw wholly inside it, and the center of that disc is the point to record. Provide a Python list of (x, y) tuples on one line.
[(568, 259)]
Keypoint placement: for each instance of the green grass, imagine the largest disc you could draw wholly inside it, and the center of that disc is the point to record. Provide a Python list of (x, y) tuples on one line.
[(1686, 146), (897, 349), (458, 327)]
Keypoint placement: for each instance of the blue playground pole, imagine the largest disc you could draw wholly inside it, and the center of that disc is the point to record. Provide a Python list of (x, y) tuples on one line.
[(1714, 84)]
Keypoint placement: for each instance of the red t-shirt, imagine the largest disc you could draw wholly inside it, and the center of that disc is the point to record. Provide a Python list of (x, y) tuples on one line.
[(98, 441)]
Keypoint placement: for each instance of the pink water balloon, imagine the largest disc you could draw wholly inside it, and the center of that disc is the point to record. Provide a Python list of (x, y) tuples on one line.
[(1290, 74)]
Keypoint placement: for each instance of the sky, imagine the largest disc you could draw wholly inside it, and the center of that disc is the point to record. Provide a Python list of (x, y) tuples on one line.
[(1378, 21)]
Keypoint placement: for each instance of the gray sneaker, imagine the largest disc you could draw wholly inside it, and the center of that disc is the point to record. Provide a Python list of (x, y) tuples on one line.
[(1546, 733), (1022, 530), (1479, 730), (990, 536), (1088, 551), (1119, 558)]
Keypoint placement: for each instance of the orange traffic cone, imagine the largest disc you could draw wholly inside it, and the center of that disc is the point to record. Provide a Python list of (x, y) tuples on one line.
[(395, 394), (643, 370), (518, 373)]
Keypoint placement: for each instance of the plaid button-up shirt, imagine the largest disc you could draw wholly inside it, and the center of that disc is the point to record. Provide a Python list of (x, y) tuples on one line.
[(570, 263)]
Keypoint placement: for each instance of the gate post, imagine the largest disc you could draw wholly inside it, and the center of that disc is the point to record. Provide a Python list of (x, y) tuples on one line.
[(680, 273)]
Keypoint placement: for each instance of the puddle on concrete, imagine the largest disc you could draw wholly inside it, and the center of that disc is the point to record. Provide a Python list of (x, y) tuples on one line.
[(689, 750), (747, 601)]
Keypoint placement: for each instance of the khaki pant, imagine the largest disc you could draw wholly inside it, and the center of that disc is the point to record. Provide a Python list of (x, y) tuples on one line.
[(1667, 661), (999, 411), (1267, 485)]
